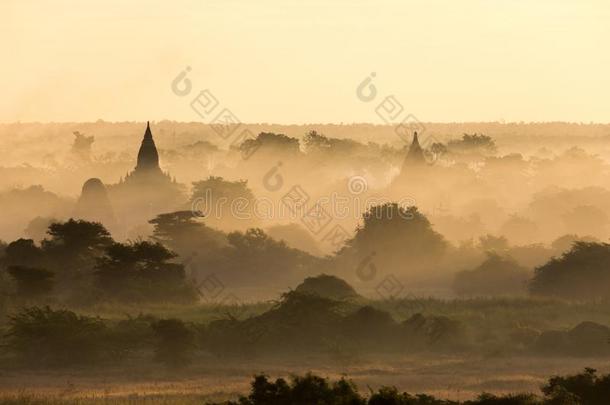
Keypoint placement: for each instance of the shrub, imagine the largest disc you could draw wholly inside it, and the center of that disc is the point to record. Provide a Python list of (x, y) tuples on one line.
[(42, 336), (581, 273), (31, 282), (174, 342), (496, 276), (584, 388), (305, 390)]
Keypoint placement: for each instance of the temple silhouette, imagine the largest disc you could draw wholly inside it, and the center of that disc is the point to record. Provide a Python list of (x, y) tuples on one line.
[(415, 156), (147, 171), (142, 194)]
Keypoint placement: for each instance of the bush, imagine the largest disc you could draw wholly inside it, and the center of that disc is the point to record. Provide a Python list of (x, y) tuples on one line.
[(584, 388), (327, 286), (143, 272), (581, 273), (174, 342), (496, 276), (581, 389), (31, 282), (42, 336), (306, 390)]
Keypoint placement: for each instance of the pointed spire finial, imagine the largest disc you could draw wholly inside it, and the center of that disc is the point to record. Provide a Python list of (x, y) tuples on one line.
[(148, 158)]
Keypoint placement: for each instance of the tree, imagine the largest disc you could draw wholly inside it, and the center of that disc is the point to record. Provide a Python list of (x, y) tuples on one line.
[(583, 272), (31, 282), (253, 256), (185, 233), (226, 204), (396, 238), (301, 390), (318, 143), (142, 271), (23, 252), (565, 242), (75, 244), (584, 388), (478, 143), (269, 142), (493, 243), (497, 275), (78, 235), (42, 336)]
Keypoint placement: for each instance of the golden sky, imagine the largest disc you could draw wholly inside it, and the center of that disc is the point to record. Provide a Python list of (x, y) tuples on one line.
[(290, 61)]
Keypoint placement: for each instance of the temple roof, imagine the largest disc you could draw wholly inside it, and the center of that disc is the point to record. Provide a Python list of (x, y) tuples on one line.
[(148, 158), (416, 153)]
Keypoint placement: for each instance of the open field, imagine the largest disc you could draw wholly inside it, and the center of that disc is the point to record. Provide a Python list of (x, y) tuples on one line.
[(450, 377)]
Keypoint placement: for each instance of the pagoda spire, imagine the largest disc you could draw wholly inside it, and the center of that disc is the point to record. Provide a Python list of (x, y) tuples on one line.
[(416, 153), (148, 157)]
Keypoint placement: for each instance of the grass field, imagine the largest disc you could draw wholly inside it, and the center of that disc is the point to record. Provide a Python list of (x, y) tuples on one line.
[(443, 376), (211, 378)]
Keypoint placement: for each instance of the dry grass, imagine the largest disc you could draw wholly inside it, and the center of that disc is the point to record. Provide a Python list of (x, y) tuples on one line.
[(443, 376)]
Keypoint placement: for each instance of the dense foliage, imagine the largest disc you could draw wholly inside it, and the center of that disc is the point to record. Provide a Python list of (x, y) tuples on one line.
[(582, 389)]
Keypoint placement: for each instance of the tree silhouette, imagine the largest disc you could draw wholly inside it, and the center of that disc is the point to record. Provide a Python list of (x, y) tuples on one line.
[(400, 238), (497, 275), (42, 336), (142, 271), (185, 233), (31, 282), (23, 252), (254, 256), (583, 272), (74, 245)]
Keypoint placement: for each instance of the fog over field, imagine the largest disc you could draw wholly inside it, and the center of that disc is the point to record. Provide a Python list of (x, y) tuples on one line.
[(282, 203)]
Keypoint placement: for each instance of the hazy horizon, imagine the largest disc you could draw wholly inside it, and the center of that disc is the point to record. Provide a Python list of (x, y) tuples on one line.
[(286, 62), (277, 202)]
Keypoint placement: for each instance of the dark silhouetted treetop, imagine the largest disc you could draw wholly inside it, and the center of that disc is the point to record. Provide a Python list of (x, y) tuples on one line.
[(23, 252), (498, 275), (473, 143), (77, 237), (186, 233), (390, 223), (254, 257), (217, 187), (142, 271), (316, 143), (327, 286), (564, 243), (583, 272), (268, 141), (31, 282), (143, 259)]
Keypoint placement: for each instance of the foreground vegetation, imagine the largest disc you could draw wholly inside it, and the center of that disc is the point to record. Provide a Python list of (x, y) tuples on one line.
[(334, 322), (586, 388)]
